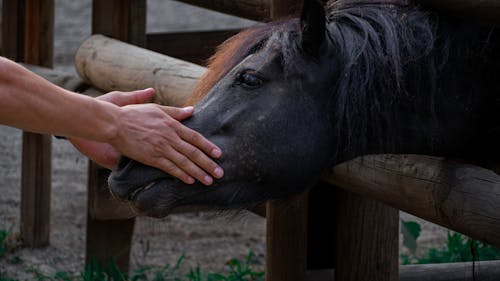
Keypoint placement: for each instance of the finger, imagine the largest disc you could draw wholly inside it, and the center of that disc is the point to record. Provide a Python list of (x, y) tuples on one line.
[(142, 96), (126, 98), (199, 159), (170, 168), (197, 140), (185, 164), (178, 113)]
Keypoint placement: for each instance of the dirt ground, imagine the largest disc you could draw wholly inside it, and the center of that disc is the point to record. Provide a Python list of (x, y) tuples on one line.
[(205, 239)]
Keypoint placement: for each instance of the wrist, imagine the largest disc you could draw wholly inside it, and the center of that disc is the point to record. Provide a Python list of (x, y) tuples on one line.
[(109, 122)]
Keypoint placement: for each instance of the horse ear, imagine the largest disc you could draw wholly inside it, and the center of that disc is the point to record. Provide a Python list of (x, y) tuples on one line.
[(313, 26)]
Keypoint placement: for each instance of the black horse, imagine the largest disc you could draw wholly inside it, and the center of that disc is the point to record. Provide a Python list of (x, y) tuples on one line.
[(289, 99)]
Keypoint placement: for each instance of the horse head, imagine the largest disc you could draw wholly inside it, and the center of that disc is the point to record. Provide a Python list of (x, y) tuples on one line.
[(264, 103)]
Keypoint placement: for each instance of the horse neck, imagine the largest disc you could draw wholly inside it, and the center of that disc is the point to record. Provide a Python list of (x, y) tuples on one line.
[(446, 104)]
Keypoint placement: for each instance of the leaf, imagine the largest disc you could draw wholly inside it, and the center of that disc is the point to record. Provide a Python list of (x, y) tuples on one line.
[(411, 232)]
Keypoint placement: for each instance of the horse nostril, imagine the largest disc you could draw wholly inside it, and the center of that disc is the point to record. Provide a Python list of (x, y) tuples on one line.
[(224, 129)]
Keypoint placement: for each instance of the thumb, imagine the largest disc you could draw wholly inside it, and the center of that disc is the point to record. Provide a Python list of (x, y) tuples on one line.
[(178, 113), (135, 97), (126, 98)]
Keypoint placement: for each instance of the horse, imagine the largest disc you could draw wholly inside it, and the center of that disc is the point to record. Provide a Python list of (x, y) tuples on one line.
[(289, 99)]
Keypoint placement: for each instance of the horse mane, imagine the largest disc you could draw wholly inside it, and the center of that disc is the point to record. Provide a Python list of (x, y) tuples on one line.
[(387, 52), (230, 53), (375, 45)]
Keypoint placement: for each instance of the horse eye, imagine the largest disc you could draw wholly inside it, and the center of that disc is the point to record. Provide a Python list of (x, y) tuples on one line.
[(249, 80)]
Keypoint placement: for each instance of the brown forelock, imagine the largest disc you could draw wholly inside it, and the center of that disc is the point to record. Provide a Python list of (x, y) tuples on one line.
[(228, 55)]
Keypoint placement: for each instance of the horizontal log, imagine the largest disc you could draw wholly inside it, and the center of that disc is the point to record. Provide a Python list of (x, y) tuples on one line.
[(484, 10), (484, 271), (193, 46), (110, 65), (461, 197), (63, 80), (251, 9)]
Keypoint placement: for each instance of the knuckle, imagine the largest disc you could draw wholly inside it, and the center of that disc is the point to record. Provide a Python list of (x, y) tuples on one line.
[(194, 153), (169, 167), (184, 162)]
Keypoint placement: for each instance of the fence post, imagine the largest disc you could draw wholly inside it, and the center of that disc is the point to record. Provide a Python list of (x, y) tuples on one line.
[(286, 243), (126, 21), (27, 36), (367, 239)]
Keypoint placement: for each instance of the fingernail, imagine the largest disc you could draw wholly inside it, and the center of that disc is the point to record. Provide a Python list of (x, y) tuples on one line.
[(218, 172), (216, 152), (188, 109), (190, 180), (208, 180)]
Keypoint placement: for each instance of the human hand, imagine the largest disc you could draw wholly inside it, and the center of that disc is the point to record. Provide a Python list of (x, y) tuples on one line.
[(102, 153), (157, 139)]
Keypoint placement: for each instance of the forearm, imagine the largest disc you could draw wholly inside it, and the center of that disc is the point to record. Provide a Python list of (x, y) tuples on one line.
[(31, 103)]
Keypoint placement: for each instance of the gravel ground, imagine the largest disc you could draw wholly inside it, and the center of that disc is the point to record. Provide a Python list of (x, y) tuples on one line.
[(205, 239)]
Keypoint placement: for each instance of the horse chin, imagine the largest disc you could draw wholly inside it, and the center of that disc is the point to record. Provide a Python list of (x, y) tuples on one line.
[(154, 200), (160, 198)]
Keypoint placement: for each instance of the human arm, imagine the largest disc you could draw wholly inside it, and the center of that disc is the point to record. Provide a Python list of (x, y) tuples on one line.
[(145, 132)]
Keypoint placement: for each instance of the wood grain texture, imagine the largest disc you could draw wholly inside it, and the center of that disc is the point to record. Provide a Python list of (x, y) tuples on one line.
[(367, 240), (284, 8), (36, 189), (111, 65), (27, 35), (13, 29), (286, 239), (193, 46), (483, 11), (107, 237), (483, 271), (461, 197), (250, 9)]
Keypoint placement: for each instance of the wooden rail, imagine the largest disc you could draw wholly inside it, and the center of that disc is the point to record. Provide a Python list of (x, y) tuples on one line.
[(461, 197), (27, 36), (250, 9), (483, 271), (484, 11)]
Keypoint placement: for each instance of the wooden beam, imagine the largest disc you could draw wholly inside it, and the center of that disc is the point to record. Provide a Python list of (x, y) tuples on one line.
[(367, 240), (251, 9), (196, 47), (27, 35), (284, 8), (172, 79), (286, 239), (286, 256), (61, 79), (461, 197), (13, 29), (124, 20), (481, 270), (483, 11), (120, 19)]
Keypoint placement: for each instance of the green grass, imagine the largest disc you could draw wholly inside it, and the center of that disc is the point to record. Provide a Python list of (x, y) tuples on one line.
[(457, 248), (3, 238), (237, 271)]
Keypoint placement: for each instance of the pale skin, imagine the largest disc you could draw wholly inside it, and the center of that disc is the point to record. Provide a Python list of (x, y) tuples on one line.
[(104, 128)]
